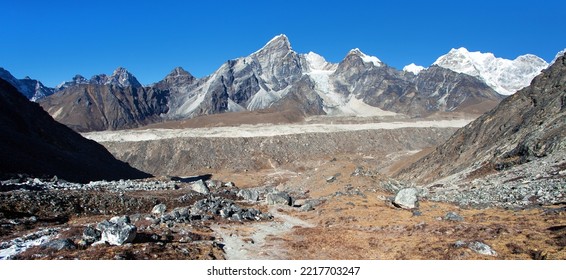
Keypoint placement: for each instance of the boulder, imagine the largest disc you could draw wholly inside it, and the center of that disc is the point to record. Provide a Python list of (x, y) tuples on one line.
[(250, 195), (117, 230), (200, 187), (279, 198), (481, 248), (60, 244), (453, 216), (159, 209), (91, 235), (406, 198)]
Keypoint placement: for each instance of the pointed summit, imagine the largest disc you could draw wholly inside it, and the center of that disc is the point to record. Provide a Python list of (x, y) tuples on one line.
[(178, 76), (366, 58), (278, 45), (121, 77), (280, 40)]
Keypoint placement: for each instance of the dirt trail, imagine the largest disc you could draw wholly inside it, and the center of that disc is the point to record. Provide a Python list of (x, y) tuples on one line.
[(261, 240)]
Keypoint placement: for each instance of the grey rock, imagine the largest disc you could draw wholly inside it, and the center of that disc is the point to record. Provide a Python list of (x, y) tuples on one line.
[(406, 198), (306, 207), (250, 195), (91, 235), (279, 198), (117, 230), (159, 209), (459, 244), (60, 244), (453, 216), (200, 187), (481, 248)]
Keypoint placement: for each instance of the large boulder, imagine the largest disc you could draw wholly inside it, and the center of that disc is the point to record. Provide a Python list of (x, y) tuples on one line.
[(250, 195), (159, 209), (406, 198), (279, 198), (117, 230), (200, 187)]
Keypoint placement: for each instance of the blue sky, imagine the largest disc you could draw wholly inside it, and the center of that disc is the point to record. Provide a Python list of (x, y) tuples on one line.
[(54, 40)]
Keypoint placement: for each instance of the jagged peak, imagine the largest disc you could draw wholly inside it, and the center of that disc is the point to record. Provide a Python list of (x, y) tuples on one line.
[(179, 71), (366, 58), (279, 42), (122, 77)]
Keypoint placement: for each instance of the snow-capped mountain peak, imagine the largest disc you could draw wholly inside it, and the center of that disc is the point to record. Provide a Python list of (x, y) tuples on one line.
[(279, 43), (316, 62), (503, 75), (366, 58), (413, 68)]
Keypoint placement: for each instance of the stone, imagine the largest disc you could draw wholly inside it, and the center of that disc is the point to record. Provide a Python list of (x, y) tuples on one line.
[(453, 216), (200, 187), (159, 209), (459, 244), (91, 235), (481, 248), (279, 198), (306, 207), (117, 231), (250, 195), (60, 244), (330, 179), (406, 198)]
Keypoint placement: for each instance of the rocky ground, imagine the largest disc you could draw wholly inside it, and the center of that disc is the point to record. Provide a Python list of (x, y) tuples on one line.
[(325, 205)]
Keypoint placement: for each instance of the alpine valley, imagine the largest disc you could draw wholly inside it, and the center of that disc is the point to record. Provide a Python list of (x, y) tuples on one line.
[(284, 155)]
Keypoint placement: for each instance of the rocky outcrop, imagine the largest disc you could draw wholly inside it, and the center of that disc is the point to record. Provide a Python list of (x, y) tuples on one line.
[(526, 126), (33, 143)]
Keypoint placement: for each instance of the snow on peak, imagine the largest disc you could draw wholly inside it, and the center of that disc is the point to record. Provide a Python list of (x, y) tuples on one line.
[(559, 54), (316, 62), (413, 68), (366, 58), (503, 75), (278, 42)]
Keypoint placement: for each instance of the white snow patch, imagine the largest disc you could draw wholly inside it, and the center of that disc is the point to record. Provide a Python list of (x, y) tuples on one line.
[(260, 130), (316, 62), (367, 58), (413, 68), (18, 245)]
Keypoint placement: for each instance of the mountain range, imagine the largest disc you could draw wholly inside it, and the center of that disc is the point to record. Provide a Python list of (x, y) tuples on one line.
[(277, 77)]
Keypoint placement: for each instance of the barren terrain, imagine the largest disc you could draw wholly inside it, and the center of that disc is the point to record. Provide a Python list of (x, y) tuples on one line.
[(336, 170)]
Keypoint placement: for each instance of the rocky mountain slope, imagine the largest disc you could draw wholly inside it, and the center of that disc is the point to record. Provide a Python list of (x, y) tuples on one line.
[(525, 127), (33, 143), (106, 102), (30, 88)]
